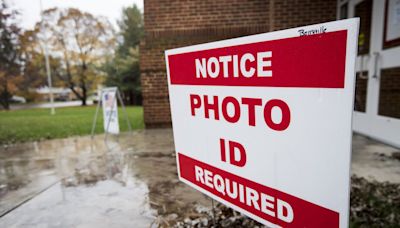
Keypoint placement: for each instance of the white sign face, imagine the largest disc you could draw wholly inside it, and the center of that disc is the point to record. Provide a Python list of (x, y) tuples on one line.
[(110, 110), (263, 123)]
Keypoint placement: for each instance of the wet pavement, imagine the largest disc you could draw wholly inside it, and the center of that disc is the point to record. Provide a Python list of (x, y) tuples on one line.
[(130, 181), (375, 161)]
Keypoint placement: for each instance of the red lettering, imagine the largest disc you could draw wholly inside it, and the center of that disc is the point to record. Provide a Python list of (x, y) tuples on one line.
[(222, 149), (252, 103), (236, 109), (213, 107), (241, 161), (234, 116), (195, 102), (285, 121)]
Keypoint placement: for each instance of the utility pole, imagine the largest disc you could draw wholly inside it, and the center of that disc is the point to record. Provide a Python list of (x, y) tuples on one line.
[(48, 71)]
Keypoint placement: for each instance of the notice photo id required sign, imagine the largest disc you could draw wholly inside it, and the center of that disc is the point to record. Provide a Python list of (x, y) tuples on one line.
[(263, 123)]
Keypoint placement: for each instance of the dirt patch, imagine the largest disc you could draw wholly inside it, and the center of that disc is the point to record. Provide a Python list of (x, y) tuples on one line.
[(374, 204)]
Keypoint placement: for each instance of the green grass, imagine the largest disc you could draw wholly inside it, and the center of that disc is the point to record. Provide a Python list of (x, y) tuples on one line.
[(37, 124)]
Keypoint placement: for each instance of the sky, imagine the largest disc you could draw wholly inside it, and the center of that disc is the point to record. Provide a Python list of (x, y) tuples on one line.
[(30, 9)]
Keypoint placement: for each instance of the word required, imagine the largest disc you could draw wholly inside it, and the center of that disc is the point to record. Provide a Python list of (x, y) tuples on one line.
[(260, 201), (246, 65)]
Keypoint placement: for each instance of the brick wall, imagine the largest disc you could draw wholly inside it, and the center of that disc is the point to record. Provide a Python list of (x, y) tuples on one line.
[(295, 13), (177, 23)]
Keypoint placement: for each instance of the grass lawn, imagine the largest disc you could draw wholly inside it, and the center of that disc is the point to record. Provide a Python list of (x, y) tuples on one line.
[(35, 124)]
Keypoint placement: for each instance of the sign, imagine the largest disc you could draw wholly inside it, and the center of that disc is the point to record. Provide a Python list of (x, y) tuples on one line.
[(110, 110), (108, 100), (263, 123)]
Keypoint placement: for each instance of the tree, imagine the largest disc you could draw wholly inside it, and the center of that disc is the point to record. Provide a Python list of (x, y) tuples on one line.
[(34, 69), (123, 70), (81, 42), (9, 54), (33, 62), (131, 29), (33, 66)]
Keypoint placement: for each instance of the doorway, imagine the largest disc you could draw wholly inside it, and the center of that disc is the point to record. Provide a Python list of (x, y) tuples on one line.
[(377, 98)]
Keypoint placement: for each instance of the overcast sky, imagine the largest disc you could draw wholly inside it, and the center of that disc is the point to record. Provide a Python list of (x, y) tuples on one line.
[(30, 9)]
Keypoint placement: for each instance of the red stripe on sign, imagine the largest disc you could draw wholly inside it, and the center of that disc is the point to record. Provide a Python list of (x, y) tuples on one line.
[(269, 204), (315, 61)]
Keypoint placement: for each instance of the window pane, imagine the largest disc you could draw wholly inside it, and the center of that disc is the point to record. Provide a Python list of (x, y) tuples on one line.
[(364, 11), (389, 96), (343, 11), (360, 97)]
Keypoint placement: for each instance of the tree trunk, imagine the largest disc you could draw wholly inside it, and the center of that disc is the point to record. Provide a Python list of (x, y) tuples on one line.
[(132, 97), (5, 104), (83, 83), (84, 95), (5, 98), (83, 101)]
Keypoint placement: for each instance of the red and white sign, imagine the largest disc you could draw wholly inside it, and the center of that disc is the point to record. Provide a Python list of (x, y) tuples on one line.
[(263, 123)]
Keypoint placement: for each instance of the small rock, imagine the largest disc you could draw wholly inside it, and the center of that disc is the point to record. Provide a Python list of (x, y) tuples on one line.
[(204, 221), (171, 217), (195, 222), (226, 222)]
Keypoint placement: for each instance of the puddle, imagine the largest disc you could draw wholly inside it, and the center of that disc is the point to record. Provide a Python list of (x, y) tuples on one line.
[(77, 182), (104, 204)]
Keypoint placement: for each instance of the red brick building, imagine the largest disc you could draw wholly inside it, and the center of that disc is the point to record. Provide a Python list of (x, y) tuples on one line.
[(176, 23)]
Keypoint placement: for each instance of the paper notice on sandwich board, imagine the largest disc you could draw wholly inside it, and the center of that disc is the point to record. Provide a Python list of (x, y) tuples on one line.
[(263, 123), (110, 110)]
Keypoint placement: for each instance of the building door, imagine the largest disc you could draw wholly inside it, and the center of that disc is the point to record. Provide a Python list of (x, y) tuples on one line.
[(377, 100)]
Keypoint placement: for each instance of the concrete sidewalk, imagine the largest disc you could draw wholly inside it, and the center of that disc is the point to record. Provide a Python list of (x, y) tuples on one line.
[(375, 161)]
